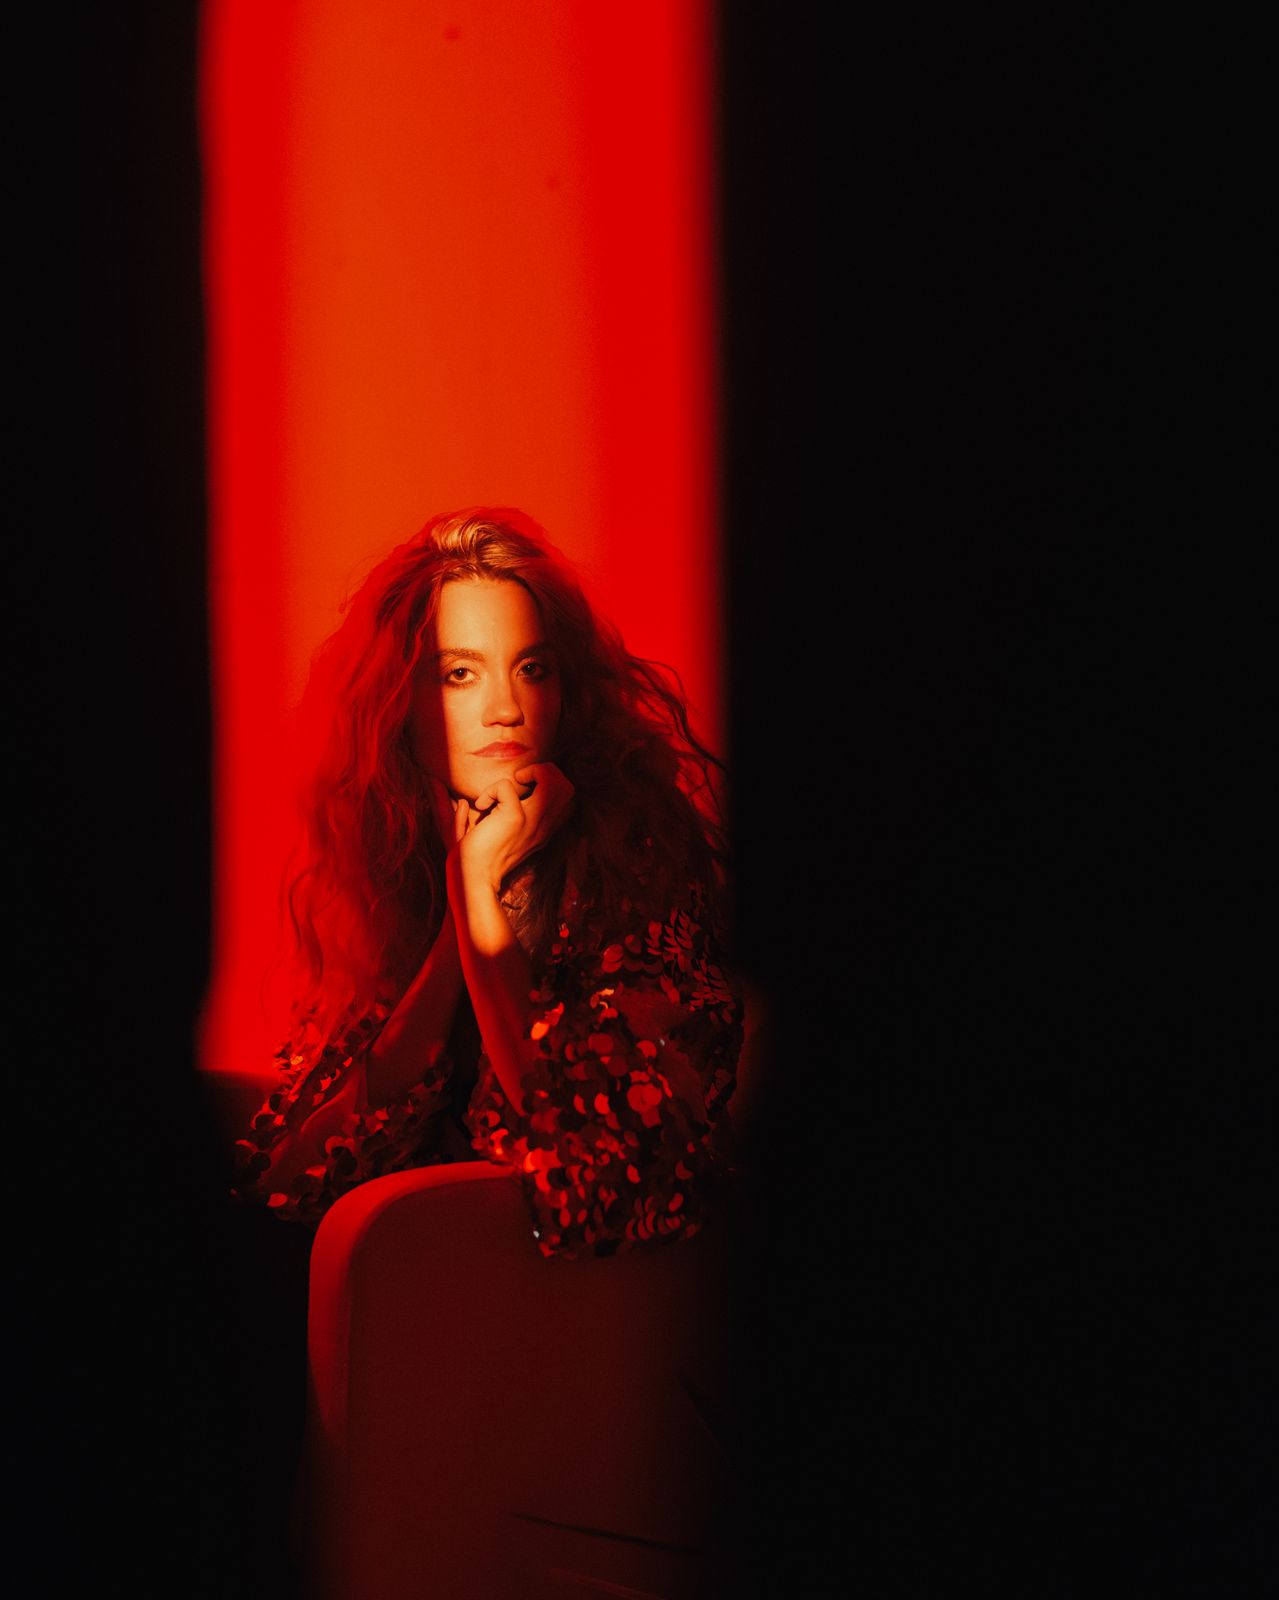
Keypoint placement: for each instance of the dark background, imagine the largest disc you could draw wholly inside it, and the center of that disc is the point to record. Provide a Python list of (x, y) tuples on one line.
[(986, 293), (1003, 1305)]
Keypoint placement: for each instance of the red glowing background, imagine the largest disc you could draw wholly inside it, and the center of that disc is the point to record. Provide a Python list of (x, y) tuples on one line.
[(454, 254)]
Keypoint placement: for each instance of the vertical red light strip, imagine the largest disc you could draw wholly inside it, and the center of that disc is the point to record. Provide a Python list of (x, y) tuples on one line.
[(244, 60), (454, 254)]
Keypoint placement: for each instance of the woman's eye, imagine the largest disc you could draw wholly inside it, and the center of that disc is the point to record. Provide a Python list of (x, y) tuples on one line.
[(457, 674), (535, 670)]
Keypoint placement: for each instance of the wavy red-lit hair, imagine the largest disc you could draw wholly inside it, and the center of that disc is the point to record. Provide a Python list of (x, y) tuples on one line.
[(365, 892)]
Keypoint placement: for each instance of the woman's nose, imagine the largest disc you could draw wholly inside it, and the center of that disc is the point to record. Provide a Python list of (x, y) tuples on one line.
[(503, 707)]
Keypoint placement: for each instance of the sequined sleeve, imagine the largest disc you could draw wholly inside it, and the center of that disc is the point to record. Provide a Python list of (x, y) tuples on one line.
[(315, 1137), (625, 1125)]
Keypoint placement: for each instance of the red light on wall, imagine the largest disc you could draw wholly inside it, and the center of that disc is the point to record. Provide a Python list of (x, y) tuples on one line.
[(453, 255)]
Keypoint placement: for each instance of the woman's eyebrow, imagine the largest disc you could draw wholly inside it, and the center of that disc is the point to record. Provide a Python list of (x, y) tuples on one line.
[(538, 648)]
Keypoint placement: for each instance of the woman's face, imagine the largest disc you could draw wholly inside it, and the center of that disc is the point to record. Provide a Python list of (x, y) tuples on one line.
[(488, 696)]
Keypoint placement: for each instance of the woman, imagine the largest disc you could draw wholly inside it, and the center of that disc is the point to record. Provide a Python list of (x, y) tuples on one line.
[(508, 906)]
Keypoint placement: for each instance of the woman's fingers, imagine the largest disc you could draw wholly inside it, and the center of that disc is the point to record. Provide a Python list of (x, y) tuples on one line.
[(503, 792), (505, 826), (497, 832)]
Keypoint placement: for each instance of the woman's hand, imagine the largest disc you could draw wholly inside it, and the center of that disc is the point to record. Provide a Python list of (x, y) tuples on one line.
[(493, 836), (509, 821)]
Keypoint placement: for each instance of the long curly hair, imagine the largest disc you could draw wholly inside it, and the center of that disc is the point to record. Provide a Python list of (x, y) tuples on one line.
[(365, 890)]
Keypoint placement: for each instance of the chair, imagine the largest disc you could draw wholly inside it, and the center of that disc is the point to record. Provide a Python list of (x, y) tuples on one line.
[(485, 1423)]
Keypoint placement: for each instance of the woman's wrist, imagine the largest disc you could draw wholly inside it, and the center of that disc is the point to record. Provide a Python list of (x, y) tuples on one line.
[(476, 878), (478, 912), (496, 971)]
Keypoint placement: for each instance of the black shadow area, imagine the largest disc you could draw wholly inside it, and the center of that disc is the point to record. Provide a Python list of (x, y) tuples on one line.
[(1002, 1302)]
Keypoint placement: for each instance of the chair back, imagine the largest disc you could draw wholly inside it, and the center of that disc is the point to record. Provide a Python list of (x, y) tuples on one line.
[(486, 1423)]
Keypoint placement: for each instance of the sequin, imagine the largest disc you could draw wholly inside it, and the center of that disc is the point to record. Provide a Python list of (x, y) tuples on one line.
[(643, 1096)]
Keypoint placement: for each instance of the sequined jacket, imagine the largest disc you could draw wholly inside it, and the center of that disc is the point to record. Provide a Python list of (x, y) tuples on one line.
[(625, 1127)]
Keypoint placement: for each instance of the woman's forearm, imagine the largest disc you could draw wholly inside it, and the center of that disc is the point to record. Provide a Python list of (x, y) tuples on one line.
[(497, 973), (417, 1031)]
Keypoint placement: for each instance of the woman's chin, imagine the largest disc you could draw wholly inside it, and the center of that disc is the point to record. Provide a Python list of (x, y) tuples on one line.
[(494, 771)]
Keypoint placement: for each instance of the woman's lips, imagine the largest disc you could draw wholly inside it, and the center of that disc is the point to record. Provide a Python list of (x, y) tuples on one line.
[(505, 750)]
